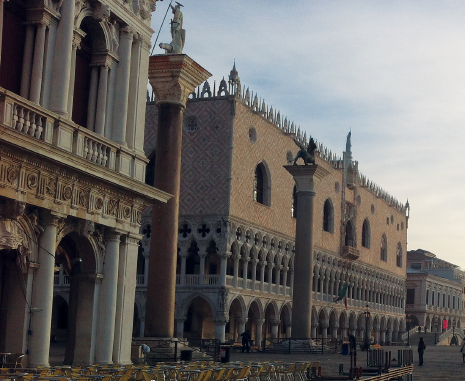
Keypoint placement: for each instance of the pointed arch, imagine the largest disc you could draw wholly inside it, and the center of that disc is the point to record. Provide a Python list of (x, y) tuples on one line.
[(328, 216), (399, 255), (262, 184), (384, 248), (366, 233)]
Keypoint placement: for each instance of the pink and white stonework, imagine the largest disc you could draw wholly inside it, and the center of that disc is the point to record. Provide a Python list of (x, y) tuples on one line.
[(236, 229)]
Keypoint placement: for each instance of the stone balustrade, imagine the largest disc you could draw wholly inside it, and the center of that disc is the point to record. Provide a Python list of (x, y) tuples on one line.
[(39, 124)]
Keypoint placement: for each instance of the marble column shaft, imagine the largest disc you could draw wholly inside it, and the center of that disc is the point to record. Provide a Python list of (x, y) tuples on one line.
[(27, 62), (122, 85), (38, 63), (304, 176), (62, 60), (166, 73), (48, 65), (100, 112), (107, 300), (42, 295), (92, 104)]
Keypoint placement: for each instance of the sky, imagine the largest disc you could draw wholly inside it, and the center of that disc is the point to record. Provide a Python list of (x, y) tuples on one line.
[(392, 72)]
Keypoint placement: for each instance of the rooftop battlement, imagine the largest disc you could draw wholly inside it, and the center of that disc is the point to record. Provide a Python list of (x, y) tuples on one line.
[(233, 90)]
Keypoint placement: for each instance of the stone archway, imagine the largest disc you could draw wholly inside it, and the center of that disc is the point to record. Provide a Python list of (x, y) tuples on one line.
[(237, 319), (255, 321), (199, 320), (77, 256)]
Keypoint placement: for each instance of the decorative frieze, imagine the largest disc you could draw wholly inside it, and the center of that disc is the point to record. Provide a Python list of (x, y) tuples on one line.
[(68, 190)]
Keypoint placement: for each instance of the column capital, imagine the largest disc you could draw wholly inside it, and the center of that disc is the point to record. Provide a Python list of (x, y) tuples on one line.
[(260, 321), (112, 236), (127, 32), (305, 174), (48, 219), (221, 319), (174, 76), (275, 322)]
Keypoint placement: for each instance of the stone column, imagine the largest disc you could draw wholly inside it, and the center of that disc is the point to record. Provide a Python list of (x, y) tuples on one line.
[(236, 258), (286, 269), (133, 98), (275, 328), (62, 60), (334, 332), (92, 104), (125, 298), (314, 330), (42, 295), (353, 330), (278, 277), (325, 325), (202, 256), (107, 304), (72, 78), (100, 112), (304, 176), (292, 283), (142, 326), (343, 333), (262, 275), (245, 270), (220, 325), (270, 276), (27, 61), (241, 325), (110, 101), (184, 254), (48, 68), (146, 45), (38, 63), (223, 267), (180, 326), (254, 272), (122, 85), (259, 332), (173, 77), (383, 337), (376, 335)]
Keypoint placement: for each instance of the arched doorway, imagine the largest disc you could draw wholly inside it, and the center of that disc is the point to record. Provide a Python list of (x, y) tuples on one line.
[(76, 256), (199, 322), (236, 318)]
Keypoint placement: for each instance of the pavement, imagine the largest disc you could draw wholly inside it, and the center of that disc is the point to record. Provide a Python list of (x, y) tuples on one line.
[(441, 363)]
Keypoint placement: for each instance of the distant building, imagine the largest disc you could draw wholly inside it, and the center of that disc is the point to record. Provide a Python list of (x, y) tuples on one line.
[(435, 291), (236, 230)]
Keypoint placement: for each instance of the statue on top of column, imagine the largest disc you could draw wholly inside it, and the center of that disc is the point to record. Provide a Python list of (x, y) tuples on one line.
[(306, 154), (177, 33)]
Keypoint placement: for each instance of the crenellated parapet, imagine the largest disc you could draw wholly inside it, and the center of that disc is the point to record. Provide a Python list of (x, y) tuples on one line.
[(379, 192)]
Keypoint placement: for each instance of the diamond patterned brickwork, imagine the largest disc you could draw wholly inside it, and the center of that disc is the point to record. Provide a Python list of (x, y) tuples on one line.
[(206, 155), (271, 147), (207, 170)]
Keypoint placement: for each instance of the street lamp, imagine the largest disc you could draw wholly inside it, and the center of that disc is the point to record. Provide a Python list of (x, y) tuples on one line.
[(408, 320), (454, 340), (367, 315)]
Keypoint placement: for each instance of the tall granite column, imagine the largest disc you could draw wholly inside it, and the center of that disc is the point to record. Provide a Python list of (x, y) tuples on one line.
[(173, 77), (304, 176)]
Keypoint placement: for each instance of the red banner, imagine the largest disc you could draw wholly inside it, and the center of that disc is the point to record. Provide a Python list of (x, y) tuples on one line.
[(444, 324)]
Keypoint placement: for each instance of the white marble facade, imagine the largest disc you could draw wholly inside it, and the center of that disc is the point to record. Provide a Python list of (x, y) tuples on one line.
[(72, 171)]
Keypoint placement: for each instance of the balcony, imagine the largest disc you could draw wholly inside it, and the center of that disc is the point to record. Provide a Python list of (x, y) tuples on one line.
[(194, 280), (350, 252), (38, 129)]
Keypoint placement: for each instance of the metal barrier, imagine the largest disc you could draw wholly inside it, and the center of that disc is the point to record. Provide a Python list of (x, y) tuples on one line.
[(290, 345)]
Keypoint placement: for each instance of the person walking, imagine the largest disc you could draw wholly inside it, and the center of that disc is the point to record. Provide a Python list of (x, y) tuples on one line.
[(246, 341), (421, 349)]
